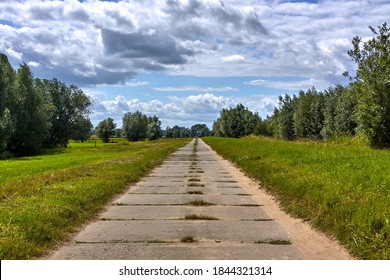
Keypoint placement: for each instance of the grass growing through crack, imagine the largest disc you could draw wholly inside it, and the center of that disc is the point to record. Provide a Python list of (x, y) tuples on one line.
[(46, 197), (194, 180), (198, 217), (188, 239), (342, 188), (195, 185), (158, 241), (195, 192), (199, 202), (274, 242)]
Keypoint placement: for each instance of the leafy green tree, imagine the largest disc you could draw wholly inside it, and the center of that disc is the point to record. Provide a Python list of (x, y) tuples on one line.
[(308, 114), (330, 102), (317, 116), (177, 132), (106, 129), (273, 123), (69, 105), (82, 129), (154, 128), (30, 119), (373, 80), (286, 117), (200, 130), (236, 122), (135, 126), (7, 80), (345, 112), (301, 115)]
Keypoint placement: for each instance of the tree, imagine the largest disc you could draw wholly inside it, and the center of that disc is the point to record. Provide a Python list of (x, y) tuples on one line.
[(301, 115), (236, 122), (7, 80), (81, 129), (177, 132), (264, 127), (308, 114), (154, 128), (373, 82), (69, 105), (331, 97), (34, 111), (135, 126), (286, 116), (345, 112), (105, 129), (31, 122), (317, 116), (200, 130)]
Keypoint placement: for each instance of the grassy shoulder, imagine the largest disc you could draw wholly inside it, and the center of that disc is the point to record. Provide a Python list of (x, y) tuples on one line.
[(343, 190), (44, 198)]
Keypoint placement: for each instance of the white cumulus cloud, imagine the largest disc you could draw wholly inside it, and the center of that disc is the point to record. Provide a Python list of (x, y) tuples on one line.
[(233, 58)]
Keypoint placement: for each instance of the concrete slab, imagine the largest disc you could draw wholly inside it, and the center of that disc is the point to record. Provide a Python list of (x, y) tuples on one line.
[(197, 251), (181, 199), (172, 230), (187, 189), (230, 213)]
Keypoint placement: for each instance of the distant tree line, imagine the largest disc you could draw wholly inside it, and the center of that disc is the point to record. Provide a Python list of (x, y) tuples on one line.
[(37, 113), (362, 107), (137, 126), (197, 130)]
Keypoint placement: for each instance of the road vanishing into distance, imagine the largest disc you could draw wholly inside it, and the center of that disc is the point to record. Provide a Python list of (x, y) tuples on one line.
[(196, 206)]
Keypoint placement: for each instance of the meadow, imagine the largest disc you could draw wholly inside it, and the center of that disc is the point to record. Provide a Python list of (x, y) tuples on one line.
[(341, 188), (45, 198)]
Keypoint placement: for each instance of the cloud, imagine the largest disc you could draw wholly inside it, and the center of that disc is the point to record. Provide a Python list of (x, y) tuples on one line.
[(202, 104), (233, 58), (152, 48), (202, 107), (137, 84), (110, 42), (185, 111), (196, 89), (286, 85), (100, 42), (33, 64)]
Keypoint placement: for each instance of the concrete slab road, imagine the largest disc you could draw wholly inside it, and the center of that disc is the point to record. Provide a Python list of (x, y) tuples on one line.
[(190, 207)]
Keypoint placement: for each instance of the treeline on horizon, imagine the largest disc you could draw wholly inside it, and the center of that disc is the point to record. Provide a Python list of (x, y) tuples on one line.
[(361, 108), (137, 127)]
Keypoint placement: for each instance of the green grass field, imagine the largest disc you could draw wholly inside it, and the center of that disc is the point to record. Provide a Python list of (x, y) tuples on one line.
[(343, 190), (45, 198)]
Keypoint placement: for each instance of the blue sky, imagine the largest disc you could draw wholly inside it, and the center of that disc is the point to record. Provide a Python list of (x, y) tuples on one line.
[(186, 60)]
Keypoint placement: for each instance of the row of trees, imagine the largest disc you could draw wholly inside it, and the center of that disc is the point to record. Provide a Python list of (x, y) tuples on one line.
[(313, 115), (197, 130), (35, 113), (136, 126), (362, 107)]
